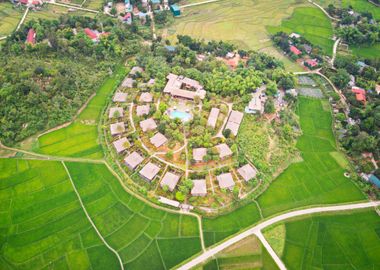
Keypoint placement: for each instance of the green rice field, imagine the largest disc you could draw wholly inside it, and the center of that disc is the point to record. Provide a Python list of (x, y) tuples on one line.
[(242, 22), (249, 253), (43, 225), (367, 52), (80, 139), (333, 241), (362, 6), (9, 18), (311, 23)]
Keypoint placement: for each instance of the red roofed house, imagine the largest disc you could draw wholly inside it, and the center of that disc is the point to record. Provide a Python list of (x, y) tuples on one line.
[(311, 63), (91, 34), (24, 2), (294, 50), (360, 94), (31, 37), (127, 18)]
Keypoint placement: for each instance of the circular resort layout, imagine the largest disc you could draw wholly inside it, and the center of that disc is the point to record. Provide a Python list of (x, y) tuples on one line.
[(174, 147)]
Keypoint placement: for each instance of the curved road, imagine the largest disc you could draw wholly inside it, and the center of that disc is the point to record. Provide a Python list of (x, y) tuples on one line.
[(256, 230)]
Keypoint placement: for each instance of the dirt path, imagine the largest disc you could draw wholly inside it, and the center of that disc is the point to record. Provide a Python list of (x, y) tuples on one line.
[(324, 11), (22, 19)]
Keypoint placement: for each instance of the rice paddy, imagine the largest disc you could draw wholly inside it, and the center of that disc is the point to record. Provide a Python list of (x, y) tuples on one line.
[(363, 6), (333, 241), (9, 18), (80, 139), (311, 23), (242, 22)]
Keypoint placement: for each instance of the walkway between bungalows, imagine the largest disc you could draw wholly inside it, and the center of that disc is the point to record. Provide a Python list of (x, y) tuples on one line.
[(256, 230)]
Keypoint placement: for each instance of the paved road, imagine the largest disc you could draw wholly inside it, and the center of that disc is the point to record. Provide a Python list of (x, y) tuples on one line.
[(256, 230)]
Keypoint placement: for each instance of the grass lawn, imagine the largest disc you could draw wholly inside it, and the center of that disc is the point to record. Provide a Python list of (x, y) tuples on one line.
[(319, 178), (249, 253), (242, 22), (311, 23), (333, 241), (42, 224), (9, 18), (145, 238), (80, 139)]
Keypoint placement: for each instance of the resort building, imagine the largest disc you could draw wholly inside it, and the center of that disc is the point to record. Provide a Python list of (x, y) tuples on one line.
[(170, 180), (158, 140), (183, 87), (142, 110), (120, 97), (149, 171), (133, 160), (213, 117), (117, 128), (224, 150), (226, 181), (116, 112), (168, 201), (148, 124), (136, 70), (199, 188), (247, 172), (121, 144), (234, 122), (146, 97), (128, 82), (199, 154)]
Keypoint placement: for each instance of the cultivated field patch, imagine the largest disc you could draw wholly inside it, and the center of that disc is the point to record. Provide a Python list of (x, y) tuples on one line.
[(9, 18), (362, 6), (80, 139), (334, 241), (42, 223)]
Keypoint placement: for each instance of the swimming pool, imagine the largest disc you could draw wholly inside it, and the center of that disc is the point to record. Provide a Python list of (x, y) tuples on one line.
[(184, 116)]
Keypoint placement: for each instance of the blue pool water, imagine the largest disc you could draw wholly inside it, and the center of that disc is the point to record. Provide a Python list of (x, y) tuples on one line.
[(184, 116)]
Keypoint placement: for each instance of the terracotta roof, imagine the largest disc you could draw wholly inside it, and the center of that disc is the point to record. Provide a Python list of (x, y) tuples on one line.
[(149, 171), (158, 140), (360, 94), (226, 180), (91, 34), (295, 50), (133, 160), (170, 180), (199, 188), (31, 37), (247, 172)]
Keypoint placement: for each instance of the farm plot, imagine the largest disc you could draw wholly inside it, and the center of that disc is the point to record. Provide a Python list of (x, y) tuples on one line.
[(53, 12), (145, 237), (311, 92), (80, 139), (334, 241), (363, 6), (9, 18), (249, 253), (242, 22), (311, 23), (319, 178), (42, 224)]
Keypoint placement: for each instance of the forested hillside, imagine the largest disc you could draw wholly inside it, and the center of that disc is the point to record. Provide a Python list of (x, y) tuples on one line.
[(43, 83)]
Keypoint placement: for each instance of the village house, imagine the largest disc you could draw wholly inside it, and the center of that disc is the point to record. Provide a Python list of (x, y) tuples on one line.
[(120, 97), (94, 35), (127, 18), (133, 160), (128, 82), (360, 94), (224, 151), (116, 112), (121, 144), (295, 50), (294, 35), (226, 181), (142, 110), (31, 37), (146, 97), (170, 180), (311, 63), (183, 87), (149, 171), (199, 154), (148, 124), (169, 202), (199, 188), (117, 128), (213, 117), (234, 122), (158, 140), (247, 172), (307, 48), (136, 70)]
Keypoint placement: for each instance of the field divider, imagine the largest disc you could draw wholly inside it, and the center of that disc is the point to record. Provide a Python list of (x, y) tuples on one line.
[(89, 218)]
